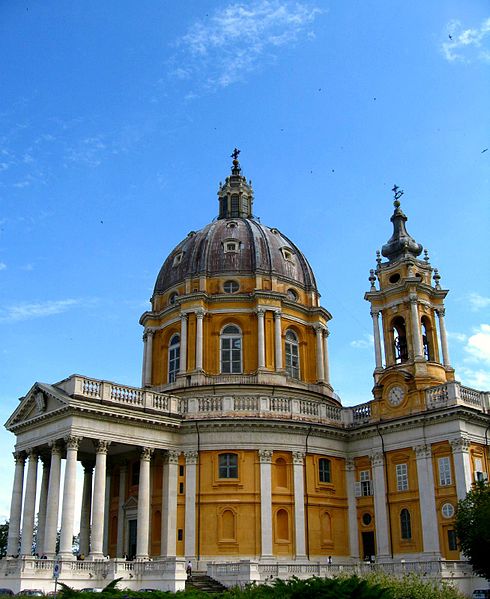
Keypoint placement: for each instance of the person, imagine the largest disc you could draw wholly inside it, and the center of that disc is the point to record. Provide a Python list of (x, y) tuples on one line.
[(189, 569), (329, 560)]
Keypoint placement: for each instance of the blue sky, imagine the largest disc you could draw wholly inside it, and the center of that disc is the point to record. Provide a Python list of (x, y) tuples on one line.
[(117, 120)]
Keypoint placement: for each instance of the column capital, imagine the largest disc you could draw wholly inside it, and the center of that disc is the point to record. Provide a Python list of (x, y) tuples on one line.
[(191, 457), (102, 446), (422, 451), (148, 332), (32, 453), (412, 298), (461, 444), (55, 447), (350, 464), (146, 453), (265, 456), (441, 312), (326, 332), (260, 311), (200, 313), (318, 328), (171, 456), (277, 314), (375, 313), (72, 442), (377, 458), (184, 316), (19, 457), (298, 457)]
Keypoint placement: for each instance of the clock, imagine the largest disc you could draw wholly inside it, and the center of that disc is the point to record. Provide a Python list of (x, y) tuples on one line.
[(396, 395)]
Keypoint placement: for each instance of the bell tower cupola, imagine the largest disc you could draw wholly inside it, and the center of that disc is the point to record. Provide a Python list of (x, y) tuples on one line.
[(410, 341), (235, 194)]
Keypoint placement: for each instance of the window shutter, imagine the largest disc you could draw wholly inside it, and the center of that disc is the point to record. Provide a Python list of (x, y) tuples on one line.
[(357, 490)]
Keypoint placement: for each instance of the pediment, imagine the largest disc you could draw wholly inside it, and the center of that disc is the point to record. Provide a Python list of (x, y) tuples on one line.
[(131, 503), (40, 401)]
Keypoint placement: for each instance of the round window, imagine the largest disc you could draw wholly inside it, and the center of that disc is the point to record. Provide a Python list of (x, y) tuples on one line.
[(231, 287), (292, 295), (447, 510), (366, 519), (395, 278)]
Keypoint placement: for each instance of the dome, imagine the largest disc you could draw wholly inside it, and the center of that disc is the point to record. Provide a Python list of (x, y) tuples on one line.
[(239, 246)]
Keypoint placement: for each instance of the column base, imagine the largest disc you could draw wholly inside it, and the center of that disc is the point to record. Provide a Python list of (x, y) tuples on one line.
[(66, 556)]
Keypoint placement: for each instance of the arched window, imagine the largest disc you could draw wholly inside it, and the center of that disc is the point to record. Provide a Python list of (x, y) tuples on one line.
[(324, 470), (399, 340), (173, 358), (282, 525), (426, 339), (292, 354), (228, 529), (231, 350), (326, 527), (405, 524)]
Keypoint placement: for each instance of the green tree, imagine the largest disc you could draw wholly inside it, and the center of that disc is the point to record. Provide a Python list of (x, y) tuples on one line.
[(473, 527), (4, 533)]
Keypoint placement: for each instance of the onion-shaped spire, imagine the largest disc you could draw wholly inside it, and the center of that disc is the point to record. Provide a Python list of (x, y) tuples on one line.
[(400, 243), (236, 194)]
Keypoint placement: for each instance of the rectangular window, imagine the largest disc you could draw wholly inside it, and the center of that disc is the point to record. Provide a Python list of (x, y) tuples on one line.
[(365, 478), (181, 470), (181, 488), (401, 477), (228, 465), (180, 534), (444, 471), (324, 470), (452, 540), (135, 473)]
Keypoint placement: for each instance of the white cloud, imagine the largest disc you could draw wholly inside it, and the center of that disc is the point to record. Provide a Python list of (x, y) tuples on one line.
[(238, 39), (366, 342), (3, 266), (476, 378), (478, 345), (467, 45), (25, 311), (461, 337), (477, 301)]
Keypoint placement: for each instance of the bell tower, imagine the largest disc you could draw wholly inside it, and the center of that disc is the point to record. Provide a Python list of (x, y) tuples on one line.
[(411, 350)]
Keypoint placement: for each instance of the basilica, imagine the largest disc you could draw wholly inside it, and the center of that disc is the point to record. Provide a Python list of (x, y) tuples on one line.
[(235, 453)]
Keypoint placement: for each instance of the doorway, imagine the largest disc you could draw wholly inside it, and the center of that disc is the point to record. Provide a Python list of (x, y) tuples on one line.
[(368, 548), (132, 538)]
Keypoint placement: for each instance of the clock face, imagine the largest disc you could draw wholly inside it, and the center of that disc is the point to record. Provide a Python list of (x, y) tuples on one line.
[(396, 395)]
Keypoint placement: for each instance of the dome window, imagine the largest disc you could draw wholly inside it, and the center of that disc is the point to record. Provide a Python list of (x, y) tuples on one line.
[(230, 286), (292, 295), (231, 246), (232, 224), (172, 298), (177, 259), (287, 254)]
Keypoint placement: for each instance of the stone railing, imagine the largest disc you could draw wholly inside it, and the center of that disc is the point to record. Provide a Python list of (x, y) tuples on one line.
[(245, 571), (108, 392), (454, 393)]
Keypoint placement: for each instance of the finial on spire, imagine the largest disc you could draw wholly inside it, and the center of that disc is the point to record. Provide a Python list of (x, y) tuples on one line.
[(235, 169), (397, 194)]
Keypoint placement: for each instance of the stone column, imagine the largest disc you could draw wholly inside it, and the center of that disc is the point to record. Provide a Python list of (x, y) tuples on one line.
[(191, 458), (261, 337), (265, 459), (278, 339), (107, 502), (123, 469), (145, 357), (325, 356), (183, 343), (148, 357), (199, 339), (43, 504), (53, 501), (29, 504), (441, 312), (98, 503), (319, 353), (427, 498), (377, 339), (462, 466), (350, 476), (383, 550), (416, 334), (169, 504), (143, 532), (299, 503), (69, 494), (16, 505), (85, 512)]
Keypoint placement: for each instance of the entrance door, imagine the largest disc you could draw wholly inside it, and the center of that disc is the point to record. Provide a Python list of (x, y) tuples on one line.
[(368, 549), (132, 536)]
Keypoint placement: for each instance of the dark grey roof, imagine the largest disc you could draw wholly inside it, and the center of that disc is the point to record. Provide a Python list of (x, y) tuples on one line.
[(261, 252), (401, 243)]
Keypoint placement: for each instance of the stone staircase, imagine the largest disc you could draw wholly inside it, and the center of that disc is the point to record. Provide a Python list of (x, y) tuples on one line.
[(200, 581)]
